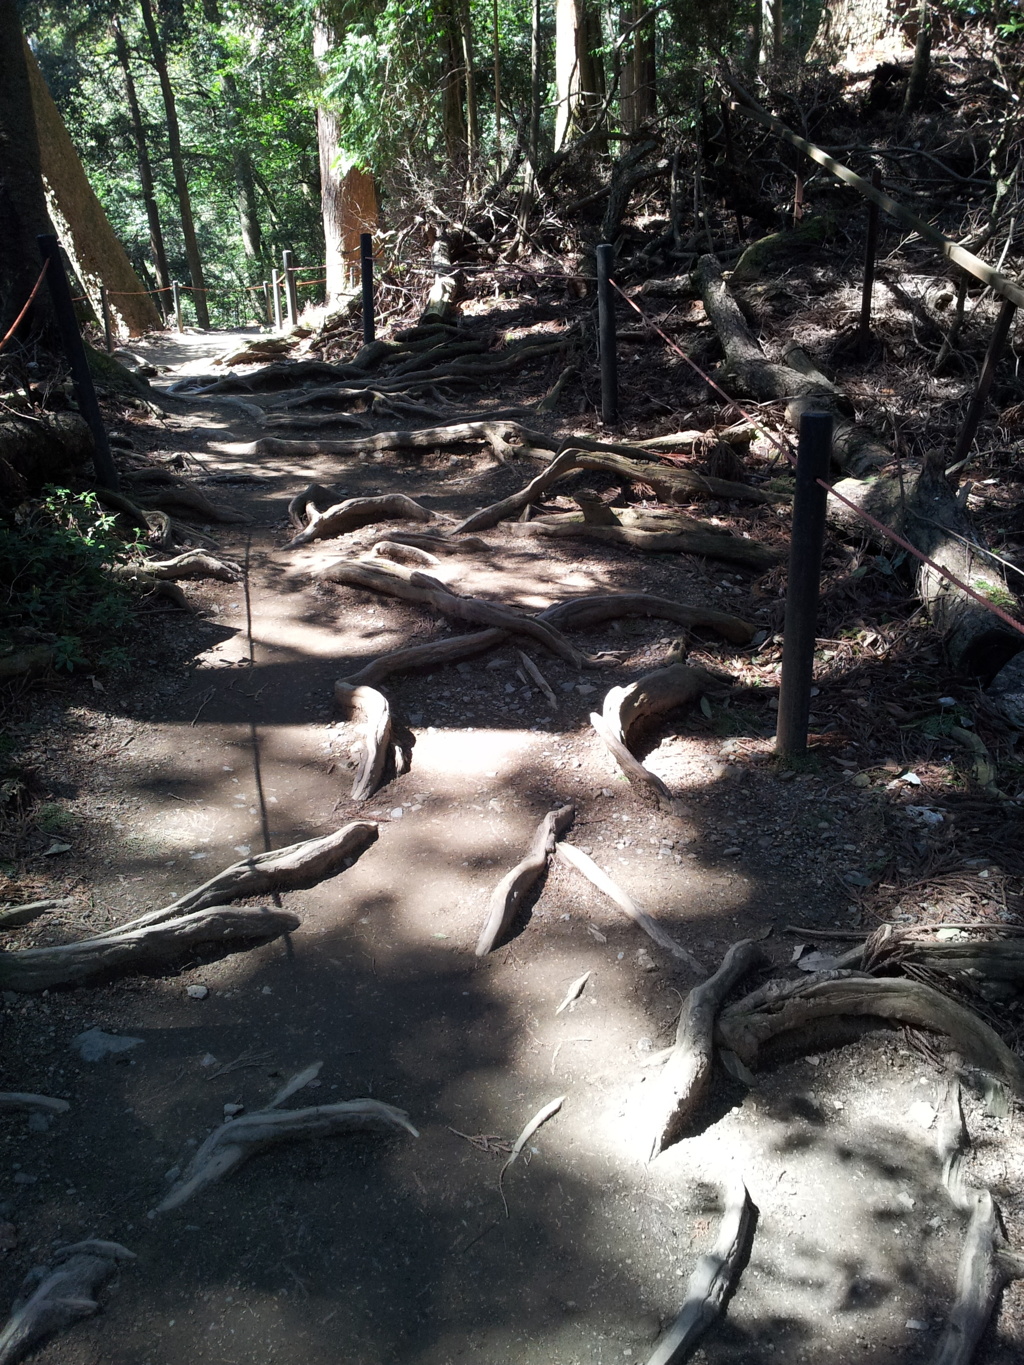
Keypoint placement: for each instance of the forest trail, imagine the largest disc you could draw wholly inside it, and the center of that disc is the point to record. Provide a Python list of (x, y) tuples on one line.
[(227, 744)]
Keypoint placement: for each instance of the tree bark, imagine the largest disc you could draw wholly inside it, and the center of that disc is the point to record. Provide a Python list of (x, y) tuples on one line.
[(188, 229), (156, 236), (858, 34), (348, 197), (23, 213), (578, 79)]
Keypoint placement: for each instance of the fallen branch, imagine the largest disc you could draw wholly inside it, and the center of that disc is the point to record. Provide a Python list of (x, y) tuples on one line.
[(237, 1140), (682, 1087), (192, 564), (355, 512), (574, 991), (41, 1104), (508, 894), (713, 1279), (575, 857), (538, 679), (57, 1295), (294, 868), (153, 948), (373, 710), (579, 612), (782, 1007)]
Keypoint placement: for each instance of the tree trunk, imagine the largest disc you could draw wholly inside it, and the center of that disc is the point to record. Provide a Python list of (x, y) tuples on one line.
[(241, 158), (637, 102), (188, 230), (453, 113), (23, 213), (84, 230), (348, 198), (156, 236), (472, 116), (578, 77), (858, 34), (918, 81)]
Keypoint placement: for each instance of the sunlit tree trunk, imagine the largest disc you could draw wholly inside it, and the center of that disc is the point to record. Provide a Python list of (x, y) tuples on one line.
[(241, 158), (348, 196), (84, 230), (23, 213), (578, 78), (858, 34), (156, 236), (638, 75), (188, 230)]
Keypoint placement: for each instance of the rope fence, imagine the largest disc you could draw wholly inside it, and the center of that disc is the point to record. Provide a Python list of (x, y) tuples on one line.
[(785, 448)]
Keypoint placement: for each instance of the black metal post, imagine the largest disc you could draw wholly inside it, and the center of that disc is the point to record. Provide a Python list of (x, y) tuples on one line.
[(988, 372), (275, 286), (71, 339), (606, 336), (290, 292), (870, 252), (807, 538), (366, 261), (108, 338), (176, 295)]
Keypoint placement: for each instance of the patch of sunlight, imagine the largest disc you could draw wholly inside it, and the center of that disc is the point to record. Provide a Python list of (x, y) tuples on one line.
[(491, 754)]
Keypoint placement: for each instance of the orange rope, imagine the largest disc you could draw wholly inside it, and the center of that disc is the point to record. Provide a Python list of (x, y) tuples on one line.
[(886, 531), (28, 304)]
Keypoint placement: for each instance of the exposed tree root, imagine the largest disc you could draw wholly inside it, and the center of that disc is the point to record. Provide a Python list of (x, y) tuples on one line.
[(437, 545), (356, 512), (59, 1294), (713, 1280), (511, 506), (153, 948), (234, 1142), (191, 564), (434, 654), (409, 555), (494, 433), (193, 500), (575, 857), (579, 612), (711, 543), (781, 1007), (651, 695), (40, 1104), (685, 1079), (508, 894), (294, 868), (373, 710), (419, 587)]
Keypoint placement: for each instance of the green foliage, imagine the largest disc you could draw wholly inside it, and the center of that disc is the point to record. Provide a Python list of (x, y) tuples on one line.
[(54, 560)]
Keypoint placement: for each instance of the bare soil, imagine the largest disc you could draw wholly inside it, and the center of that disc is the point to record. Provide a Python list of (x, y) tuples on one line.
[(224, 741)]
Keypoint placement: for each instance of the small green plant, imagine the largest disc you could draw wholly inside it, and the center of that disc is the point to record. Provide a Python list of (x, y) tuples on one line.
[(55, 556), (999, 596), (52, 818)]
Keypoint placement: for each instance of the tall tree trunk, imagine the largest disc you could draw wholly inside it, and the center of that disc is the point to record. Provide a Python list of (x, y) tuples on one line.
[(348, 199), (918, 82), (188, 230), (534, 150), (453, 111), (497, 85), (637, 99), (241, 158), (858, 34), (23, 213), (578, 78), (156, 236), (472, 114), (84, 230)]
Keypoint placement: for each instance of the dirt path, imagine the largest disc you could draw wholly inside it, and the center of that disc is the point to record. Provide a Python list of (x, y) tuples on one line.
[(368, 1249)]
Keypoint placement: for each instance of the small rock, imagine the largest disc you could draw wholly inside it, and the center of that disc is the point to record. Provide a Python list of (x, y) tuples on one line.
[(197, 992), (584, 689), (645, 962), (860, 780), (22, 1178), (921, 1113), (397, 813), (916, 1325), (905, 1200), (39, 1123), (230, 1110), (731, 852), (56, 848), (93, 1045), (209, 1060)]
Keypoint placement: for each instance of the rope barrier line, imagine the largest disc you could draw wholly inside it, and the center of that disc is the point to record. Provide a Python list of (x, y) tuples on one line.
[(886, 531), (28, 304), (137, 293)]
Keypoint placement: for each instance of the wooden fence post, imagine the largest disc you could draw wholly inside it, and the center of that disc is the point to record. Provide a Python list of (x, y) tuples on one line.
[(290, 292), (276, 291), (606, 335), (366, 262), (176, 295), (870, 252), (108, 337), (267, 308)]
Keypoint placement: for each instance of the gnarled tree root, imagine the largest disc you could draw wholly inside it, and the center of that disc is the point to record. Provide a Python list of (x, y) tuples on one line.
[(294, 868), (373, 710), (710, 543), (433, 654), (782, 1007), (579, 612), (508, 894), (682, 1086), (575, 857), (234, 1142), (397, 581), (54, 1296), (155, 947), (713, 1279), (355, 512), (651, 695)]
